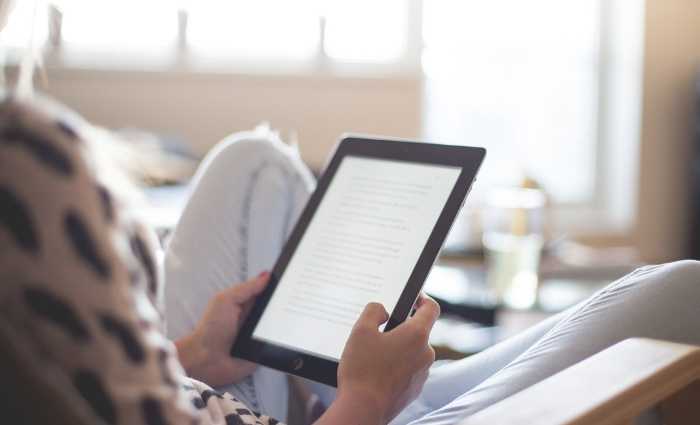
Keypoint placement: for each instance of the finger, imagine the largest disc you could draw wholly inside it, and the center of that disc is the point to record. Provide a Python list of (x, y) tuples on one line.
[(246, 308), (241, 365), (422, 375), (418, 382), (374, 315), (427, 312), (422, 378), (418, 302), (247, 290)]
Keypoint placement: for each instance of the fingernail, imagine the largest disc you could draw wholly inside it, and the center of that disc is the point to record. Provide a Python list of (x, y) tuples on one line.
[(263, 274)]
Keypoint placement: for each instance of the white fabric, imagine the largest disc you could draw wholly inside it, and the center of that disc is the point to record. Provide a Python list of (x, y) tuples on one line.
[(661, 302), (247, 195), (245, 199)]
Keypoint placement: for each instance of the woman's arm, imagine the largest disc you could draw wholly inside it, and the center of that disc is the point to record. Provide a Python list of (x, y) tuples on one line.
[(204, 353), (353, 409), (379, 372)]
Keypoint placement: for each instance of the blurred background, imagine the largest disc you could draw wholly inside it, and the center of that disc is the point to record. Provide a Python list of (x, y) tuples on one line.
[(588, 109)]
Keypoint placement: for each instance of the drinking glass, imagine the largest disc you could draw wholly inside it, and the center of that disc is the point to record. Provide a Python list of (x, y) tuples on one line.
[(513, 237)]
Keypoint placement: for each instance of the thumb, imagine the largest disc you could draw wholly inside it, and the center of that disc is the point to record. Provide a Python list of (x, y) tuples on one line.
[(374, 315)]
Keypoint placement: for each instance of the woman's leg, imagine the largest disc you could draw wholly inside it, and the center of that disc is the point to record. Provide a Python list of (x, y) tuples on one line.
[(448, 381), (661, 302), (246, 197)]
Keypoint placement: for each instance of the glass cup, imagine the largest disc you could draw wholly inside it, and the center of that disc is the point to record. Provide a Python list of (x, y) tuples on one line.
[(513, 237)]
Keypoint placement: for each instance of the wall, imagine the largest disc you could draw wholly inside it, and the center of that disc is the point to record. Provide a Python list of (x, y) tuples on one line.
[(671, 64), (204, 107)]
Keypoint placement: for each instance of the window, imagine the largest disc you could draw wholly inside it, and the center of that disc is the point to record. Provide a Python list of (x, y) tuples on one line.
[(366, 30), (551, 88), (308, 32), (117, 27), (520, 78), (250, 30), (26, 17)]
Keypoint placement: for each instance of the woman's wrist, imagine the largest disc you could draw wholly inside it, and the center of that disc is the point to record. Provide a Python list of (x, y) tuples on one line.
[(190, 355), (353, 407)]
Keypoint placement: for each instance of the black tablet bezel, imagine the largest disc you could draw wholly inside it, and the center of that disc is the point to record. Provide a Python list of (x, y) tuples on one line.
[(319, 369)]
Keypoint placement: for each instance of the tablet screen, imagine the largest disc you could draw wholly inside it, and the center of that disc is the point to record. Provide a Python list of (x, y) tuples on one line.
[(361, 246)]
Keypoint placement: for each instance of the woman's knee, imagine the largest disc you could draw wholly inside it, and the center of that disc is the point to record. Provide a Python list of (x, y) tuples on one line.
[(251, 150), (246, 146), (684, 274), (655, 289), (667, 306), (662, 289), (684, 267)]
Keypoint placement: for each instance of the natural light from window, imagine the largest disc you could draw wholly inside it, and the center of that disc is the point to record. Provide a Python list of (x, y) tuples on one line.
[(25, 17), (363, 31), (250, 30), (127, 25), (366, 30), (520, 78)]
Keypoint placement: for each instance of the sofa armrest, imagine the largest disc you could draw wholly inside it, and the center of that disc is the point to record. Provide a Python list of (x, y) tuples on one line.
[(611, 387)]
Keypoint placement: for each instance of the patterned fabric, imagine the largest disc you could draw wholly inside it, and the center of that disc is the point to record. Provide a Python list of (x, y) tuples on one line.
[(79, 278)]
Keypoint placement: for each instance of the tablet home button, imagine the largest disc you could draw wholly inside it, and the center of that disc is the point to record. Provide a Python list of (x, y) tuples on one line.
[(297, 364)]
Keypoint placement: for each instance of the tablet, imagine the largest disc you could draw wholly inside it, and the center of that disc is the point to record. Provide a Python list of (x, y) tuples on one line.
[(370, 232)]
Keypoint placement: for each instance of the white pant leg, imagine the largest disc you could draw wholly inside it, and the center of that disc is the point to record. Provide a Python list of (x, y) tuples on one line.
[(661, 302), (448, 381), (246, 197)]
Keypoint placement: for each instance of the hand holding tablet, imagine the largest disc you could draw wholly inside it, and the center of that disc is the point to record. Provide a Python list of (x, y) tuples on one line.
[(370, 233), (398, 374)]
